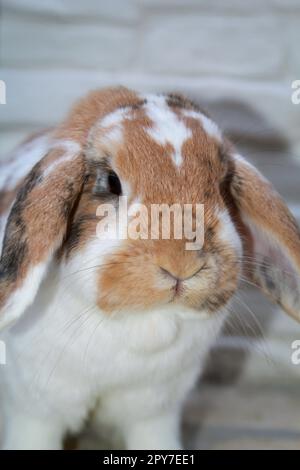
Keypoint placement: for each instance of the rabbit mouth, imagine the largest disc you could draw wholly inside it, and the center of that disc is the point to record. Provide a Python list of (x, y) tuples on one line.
[(178, 288)]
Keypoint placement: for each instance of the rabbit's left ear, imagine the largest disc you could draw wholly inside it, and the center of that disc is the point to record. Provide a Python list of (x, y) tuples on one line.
[(270, 234), (37, 225)]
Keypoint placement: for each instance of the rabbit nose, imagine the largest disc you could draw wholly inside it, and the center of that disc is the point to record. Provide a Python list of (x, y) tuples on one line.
[(177, 278), (168, 273), (178, 282)]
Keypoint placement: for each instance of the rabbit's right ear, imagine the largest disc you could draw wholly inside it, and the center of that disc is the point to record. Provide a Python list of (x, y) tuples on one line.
[(37, 225)]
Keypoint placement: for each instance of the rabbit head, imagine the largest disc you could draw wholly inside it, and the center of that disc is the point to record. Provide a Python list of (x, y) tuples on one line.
[(153, 150)]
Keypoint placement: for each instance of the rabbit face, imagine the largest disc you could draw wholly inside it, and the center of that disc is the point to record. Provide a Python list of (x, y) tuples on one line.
[(158, 151)]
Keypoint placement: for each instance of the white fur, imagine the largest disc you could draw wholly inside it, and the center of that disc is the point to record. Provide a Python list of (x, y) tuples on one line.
[(65, 357), (85, 263), (136, 367), (3, 220), (27, 155), (23, 296), (167, 128), (115, 118), (23, 160), (208, 125), (112, 124), (108, 132), (71, 149), (114, 135), (228, 232)]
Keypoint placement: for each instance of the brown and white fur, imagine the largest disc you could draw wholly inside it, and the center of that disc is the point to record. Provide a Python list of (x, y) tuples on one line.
[(120, 328)]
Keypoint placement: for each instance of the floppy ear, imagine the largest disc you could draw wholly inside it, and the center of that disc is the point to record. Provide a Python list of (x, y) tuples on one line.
[(37, 225), (271, 236)]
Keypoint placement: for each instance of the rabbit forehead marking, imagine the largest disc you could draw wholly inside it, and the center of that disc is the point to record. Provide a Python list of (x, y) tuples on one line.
[(167, 127), (167, 113), (170, 121)]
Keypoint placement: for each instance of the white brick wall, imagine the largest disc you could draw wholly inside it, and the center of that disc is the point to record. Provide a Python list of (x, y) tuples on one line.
[(206, 45), (232, 50)]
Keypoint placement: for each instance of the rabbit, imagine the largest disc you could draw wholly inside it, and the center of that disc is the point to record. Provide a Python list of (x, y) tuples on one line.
[(117, 329)]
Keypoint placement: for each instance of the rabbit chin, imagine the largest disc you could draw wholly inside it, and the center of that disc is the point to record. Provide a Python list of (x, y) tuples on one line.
[(144, 288), (191, 304), (207, 293)]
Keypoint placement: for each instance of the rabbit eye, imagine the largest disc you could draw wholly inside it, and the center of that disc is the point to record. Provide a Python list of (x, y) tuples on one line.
[(107, 183), (114, 184)]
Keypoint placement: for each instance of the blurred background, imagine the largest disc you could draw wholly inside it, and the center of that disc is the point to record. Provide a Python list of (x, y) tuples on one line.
[(238, 59)]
